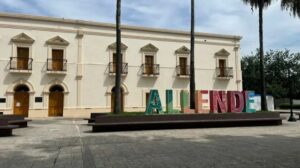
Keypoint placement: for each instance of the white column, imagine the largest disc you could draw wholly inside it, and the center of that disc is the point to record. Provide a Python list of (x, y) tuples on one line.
[(238, 68), (79, 74)]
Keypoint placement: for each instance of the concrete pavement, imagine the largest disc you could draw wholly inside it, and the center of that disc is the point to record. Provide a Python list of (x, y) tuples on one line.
[(69, 143)]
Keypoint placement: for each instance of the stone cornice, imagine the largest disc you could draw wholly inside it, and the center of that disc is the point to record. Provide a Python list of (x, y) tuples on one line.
[(112, 26)]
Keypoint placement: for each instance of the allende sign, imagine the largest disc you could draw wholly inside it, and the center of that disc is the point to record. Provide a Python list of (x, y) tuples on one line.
[(219, 102)]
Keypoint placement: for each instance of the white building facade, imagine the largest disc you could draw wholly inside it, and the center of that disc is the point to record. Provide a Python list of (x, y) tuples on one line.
[(61, 67)]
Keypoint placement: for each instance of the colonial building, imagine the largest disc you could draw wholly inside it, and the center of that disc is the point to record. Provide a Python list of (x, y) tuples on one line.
[(63, 67)]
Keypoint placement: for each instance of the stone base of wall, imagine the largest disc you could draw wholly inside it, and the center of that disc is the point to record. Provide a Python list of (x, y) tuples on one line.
[(75, 112)]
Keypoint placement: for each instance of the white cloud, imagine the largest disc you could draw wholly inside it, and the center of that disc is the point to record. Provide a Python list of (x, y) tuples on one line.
[(215, 16)]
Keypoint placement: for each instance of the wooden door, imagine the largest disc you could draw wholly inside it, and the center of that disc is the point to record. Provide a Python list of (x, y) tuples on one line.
[(56, 104), (57, 60), (149, 64), (222, 65), (22, 58), (183, 66), (114, 68), (21, 103), (147, 98), (113, 101)]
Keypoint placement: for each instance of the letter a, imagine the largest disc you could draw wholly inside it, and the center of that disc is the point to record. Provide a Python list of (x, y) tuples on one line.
[(154, 103)]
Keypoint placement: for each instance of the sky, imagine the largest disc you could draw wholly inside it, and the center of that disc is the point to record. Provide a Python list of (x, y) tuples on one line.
[(233, 17)]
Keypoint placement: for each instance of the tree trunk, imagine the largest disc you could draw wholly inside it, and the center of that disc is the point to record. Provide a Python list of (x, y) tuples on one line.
[(261, 53), (192, 66), (117, 90)]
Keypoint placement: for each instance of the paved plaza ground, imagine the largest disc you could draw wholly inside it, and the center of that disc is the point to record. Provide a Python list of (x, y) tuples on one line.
[(69, 143)]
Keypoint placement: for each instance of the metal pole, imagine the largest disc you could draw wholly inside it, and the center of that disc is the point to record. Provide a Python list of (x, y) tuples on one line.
[(291, 118)]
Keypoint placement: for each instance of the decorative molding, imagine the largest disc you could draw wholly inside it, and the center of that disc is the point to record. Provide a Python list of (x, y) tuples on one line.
[(113, 46), (22, 38), (111, 26), (183, 50), (12, 87), (123, 86), (222, 52), (113, 35), (57, 41), (56, 82), (149, 48)]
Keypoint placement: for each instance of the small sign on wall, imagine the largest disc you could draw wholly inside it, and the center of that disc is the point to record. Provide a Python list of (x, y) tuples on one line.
[(38, 99), (2, 100)]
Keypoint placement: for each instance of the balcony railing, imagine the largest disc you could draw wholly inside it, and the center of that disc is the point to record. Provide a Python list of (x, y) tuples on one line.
[(150, 69), (113, 68), (182, 70), (57, 65), (224, 72), (19, 63)]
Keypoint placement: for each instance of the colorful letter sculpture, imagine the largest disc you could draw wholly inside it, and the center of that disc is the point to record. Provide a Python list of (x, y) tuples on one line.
[(154, 103), (199, 100), (169, 101), (248, 96), (235, 101), (218, 102), (205, 101)]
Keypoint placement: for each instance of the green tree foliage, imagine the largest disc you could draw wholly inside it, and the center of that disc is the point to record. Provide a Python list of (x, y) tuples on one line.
[(278, 63)]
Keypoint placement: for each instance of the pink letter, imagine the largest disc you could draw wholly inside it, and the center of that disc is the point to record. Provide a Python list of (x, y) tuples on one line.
[(218, 102), (235, 101)]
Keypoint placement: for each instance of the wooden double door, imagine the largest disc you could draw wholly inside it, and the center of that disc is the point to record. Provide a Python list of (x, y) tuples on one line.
[(222, 66), (56, 104), (149, 64), (113, 100), (114, 65), (21, 103), (22, 58), (57, 60), (183, 66)]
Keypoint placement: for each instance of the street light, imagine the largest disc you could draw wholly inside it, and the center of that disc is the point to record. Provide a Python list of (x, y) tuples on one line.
[(290, 76)]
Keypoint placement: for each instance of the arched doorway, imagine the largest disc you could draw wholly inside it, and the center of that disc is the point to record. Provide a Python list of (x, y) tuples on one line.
[(56, 101), (113, 99), (21, 100)]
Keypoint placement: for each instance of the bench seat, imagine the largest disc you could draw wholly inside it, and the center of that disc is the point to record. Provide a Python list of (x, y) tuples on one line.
[(93, 117), (16, 120), (120, 123), (5, 129)]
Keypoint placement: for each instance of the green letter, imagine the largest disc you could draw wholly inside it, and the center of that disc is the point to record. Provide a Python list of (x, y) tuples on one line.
[(154, 103), (169, 101)]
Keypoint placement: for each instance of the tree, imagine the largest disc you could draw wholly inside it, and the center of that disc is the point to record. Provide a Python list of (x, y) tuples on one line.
[(117, 90), (261, 5), (192, 63), (277, 64), (291, 5)]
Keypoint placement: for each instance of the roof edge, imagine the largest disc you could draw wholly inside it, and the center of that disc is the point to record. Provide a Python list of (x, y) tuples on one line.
[(109, 25)]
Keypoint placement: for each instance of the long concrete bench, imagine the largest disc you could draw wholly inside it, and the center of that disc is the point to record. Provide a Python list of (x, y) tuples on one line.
[(16, 120), (5, 128), (93, 117), (123, 123)]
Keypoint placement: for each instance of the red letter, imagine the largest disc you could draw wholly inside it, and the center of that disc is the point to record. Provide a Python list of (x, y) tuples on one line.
[(218, 102), (235, 101)]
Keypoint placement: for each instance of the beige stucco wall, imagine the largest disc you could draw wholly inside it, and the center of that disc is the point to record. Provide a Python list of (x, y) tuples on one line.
[(87, 79)]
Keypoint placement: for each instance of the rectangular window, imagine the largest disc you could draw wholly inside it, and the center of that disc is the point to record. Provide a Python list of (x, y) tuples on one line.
[(57, 59), (22, 58)]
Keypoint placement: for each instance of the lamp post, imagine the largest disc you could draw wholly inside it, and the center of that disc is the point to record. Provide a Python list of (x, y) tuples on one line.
[(291, 118)]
